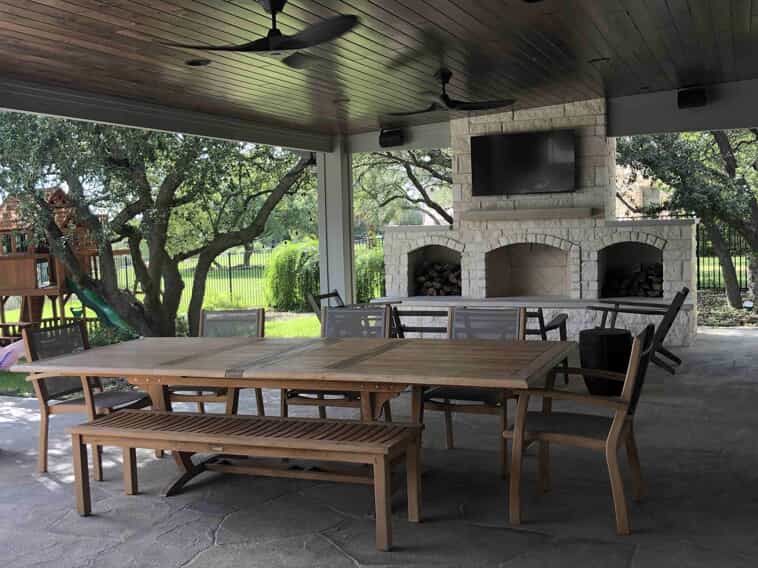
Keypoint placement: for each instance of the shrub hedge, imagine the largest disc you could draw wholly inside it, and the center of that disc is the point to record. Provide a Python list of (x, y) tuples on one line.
[(293, 271)]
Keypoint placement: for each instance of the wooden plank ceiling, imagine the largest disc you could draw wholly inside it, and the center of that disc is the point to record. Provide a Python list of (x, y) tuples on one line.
[(540, 53)]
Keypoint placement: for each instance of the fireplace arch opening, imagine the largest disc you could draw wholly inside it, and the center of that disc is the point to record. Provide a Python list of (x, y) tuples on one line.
[(434, 270), (527, 269), (630, 269)]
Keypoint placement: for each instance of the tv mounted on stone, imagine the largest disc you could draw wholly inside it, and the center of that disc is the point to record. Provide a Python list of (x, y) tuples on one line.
[(523, 163)]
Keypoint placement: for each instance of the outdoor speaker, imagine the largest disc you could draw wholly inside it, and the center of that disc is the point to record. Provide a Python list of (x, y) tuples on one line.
[(691, 98), (389, 138)]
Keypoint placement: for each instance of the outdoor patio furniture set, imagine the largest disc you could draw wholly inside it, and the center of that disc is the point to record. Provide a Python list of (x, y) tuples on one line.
[(363, 360)]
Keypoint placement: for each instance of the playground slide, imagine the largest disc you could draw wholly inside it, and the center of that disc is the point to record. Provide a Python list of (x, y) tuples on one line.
[(95, 302), (10, 354)]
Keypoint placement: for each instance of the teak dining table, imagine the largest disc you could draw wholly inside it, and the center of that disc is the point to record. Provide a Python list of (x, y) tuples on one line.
[(380, 369)]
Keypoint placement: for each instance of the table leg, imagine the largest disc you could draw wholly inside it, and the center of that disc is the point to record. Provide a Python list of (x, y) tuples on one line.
[(162, 401), (368, 411), (417, 404), (517, 451)]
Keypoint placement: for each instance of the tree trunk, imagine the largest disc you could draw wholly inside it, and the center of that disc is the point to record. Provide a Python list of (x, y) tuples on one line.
[(731, 283), (248, 255), (204, 263), (752, 259)]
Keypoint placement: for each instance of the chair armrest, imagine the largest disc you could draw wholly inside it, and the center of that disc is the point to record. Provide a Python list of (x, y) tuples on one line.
[(606, 402), (557, 322), (595, 373), (619, 310), (634, 303)]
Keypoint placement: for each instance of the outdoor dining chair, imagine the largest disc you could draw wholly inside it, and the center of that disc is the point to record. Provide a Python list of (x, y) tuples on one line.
[(343, 322), (316, 301), (661, 356), (558, 323), (475, 323), (591, 431), (83, 395), (224, 323)]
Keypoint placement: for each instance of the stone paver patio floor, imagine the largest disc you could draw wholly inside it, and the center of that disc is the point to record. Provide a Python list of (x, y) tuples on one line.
[(698, 445)]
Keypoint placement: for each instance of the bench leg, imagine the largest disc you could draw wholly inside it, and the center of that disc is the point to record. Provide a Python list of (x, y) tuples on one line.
[(382, 494), (97, 462), (130, 471), (81, 476), (413, 479)]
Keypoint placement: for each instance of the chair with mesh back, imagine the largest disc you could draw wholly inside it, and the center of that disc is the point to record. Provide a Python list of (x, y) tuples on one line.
[(343, 322), (474, 323), (601, 432), (224, 323), (58, 395)]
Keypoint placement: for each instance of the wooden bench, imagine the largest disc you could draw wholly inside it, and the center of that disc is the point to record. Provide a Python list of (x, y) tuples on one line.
[(377, 444)]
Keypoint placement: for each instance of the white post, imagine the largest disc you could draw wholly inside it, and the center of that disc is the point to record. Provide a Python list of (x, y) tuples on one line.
[(335, 220)]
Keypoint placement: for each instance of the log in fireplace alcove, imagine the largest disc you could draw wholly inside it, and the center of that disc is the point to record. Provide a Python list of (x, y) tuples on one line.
[(527, 269), (630, 269), (434, 270)]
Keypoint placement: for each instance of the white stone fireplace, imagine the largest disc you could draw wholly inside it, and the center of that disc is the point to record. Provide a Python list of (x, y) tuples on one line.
[(560, 251)]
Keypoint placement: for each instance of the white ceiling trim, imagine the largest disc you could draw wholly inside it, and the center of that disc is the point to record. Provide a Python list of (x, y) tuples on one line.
[(23, 96)]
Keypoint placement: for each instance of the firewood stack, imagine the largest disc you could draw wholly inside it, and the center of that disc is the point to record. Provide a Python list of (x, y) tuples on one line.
[(644, 279), (438, 279)]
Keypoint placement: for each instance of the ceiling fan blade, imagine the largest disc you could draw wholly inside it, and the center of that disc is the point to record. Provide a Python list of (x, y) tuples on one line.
[(302, 61), (318, 33), (479, 105), (260, 44), (431, 108)]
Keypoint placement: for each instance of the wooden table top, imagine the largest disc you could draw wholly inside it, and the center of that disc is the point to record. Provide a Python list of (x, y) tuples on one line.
[(474, 363)]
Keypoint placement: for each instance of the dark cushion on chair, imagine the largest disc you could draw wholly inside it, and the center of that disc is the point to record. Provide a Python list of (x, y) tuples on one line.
[(571, 424), (112, 399), (486, 396)]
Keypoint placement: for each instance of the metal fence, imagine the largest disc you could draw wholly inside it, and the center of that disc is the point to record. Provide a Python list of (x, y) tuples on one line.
[(709, 275), (236, 278)]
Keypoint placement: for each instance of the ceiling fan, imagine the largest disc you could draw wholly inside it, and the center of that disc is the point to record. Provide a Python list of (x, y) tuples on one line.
[(444, 102), (284, 47)]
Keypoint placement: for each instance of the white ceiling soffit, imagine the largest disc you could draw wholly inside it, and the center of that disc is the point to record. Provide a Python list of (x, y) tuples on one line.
[(65, 103), (435, 135), (730, 105)]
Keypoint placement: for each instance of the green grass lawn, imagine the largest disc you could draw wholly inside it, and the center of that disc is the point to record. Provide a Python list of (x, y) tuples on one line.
[(306, 325)]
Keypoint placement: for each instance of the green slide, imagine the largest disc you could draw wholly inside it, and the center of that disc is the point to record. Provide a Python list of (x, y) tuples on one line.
[(95, 302)]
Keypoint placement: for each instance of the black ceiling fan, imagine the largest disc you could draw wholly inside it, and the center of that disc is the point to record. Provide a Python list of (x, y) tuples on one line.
[(281, 46), (444, 102)]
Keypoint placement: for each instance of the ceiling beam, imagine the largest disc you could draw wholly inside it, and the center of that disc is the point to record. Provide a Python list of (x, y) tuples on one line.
[(23, 96), (730, 105)]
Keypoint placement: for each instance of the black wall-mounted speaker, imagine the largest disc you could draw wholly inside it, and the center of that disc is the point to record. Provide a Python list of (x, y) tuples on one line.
[(390, 138), (692, 98)]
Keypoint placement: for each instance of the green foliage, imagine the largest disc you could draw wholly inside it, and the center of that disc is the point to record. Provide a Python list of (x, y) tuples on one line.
[(369, 273), (292, 272), (105, 335)]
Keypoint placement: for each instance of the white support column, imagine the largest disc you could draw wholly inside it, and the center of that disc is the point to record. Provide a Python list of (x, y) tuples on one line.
[(335, 220)]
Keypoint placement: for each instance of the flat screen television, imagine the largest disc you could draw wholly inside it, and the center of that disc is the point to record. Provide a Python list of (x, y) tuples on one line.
[(529, 162)]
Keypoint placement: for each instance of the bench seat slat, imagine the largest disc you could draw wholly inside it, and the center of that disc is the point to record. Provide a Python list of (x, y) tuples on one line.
[(255, 431)]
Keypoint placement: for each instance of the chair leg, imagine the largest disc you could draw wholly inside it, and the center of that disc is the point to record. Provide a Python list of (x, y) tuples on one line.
[(283, 409), (258, 401), (232, 401), (543, 467), (383, 512), (200, 405), (44, 427), (159, 454), (504, 467), (638, 482), (321, 409), (617, 491), (449, 442), (130, 471), (387, 412), (97, 462), (81, 476), (413, 479)]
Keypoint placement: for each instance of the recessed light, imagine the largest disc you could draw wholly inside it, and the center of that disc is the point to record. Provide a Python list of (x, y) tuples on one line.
[(198, 62)]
